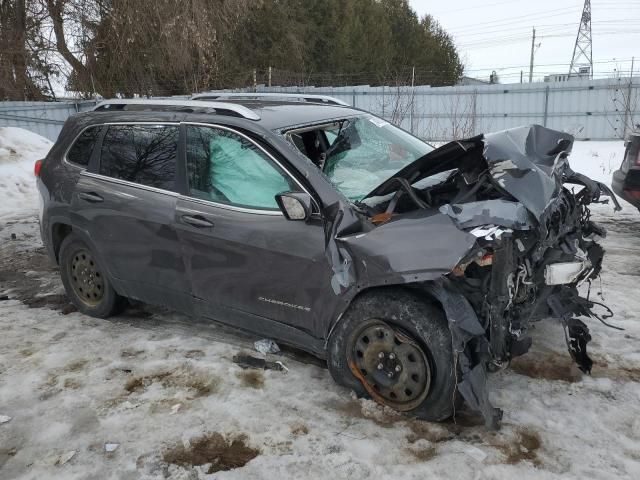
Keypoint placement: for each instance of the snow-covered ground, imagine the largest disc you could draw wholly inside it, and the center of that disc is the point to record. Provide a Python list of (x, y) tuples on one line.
[(19, 150), (163, 390)]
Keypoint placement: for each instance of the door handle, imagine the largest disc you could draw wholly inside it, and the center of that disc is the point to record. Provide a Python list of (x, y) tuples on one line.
[(197, 221), (90, 197)]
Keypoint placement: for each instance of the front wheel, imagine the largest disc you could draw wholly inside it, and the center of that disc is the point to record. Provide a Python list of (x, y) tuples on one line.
[(85, 281), (395, 347)]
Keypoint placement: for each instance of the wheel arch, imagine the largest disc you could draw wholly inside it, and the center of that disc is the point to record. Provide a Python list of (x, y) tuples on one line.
[(420, 290), (59, 231), (68, 229)]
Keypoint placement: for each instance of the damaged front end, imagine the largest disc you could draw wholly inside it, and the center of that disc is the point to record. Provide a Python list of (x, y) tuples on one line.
[(523, 244)]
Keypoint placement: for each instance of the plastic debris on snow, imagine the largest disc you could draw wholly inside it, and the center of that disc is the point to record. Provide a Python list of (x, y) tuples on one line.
[(248, 361), (175, 409), (266, 345), (4, 419), (60, 459), (111, 447)]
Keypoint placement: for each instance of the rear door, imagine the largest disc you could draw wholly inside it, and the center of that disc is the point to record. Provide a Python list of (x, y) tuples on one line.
[(245, 260), (125, 205)]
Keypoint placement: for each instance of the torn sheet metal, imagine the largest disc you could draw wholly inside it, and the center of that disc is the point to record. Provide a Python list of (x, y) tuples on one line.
[(419, 246), (565, 272), (524, 161), (497, 212), (470, 348), (499, 243), (489, 232)]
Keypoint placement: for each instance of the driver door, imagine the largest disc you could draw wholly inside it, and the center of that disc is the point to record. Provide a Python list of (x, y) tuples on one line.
[(245, 260)]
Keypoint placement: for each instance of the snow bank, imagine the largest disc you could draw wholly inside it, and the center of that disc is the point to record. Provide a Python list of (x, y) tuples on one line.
[(19, 149)]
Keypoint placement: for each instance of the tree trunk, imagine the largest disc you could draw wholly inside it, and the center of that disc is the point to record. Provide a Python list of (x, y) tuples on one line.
[(56, 12)]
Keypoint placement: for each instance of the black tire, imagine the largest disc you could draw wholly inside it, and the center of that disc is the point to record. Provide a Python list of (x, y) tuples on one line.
[(411, 317), (91, 291)]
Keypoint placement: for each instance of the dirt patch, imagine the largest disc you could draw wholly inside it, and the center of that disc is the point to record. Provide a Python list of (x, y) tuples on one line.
[(137, 384), (423, 453), (188, 378), (75, 366), (72, 384), (368, 409), (298, 429), (139, 312), (214, 450), (131, 353), (194, 354), (621, 373), (602, 369), (521, 448), (53, 302), (251, 378), (431, 432), (553, 366), (550, 366), (6, 454), (52, 380), (26, 272)]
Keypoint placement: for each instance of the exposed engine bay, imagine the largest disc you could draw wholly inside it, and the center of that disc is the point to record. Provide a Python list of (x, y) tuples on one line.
[(522, 245)]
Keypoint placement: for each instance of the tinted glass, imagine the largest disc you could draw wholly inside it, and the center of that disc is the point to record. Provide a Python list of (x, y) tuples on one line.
[(227, 168), (142, 154), (80, 152)]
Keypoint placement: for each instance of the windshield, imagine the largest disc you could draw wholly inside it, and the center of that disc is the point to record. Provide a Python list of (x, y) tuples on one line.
[(358, 154)]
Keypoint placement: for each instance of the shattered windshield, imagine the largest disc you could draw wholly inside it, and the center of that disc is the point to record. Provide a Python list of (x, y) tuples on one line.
[(360, 153)]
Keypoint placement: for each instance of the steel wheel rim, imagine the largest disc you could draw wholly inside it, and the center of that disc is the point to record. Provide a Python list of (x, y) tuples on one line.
[(391, 366), (86, 279)]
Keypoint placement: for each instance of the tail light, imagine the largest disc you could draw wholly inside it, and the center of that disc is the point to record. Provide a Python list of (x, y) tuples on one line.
[(633, 194), (37, 168)]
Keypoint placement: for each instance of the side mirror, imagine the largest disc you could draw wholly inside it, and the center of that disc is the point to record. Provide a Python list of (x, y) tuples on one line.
[(295, 205)]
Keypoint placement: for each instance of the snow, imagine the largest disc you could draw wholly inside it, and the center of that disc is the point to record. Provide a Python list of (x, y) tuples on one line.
[(19, 150), (150, 380)]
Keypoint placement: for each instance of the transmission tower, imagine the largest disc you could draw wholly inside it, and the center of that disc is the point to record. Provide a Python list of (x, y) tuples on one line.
[(582, 60)]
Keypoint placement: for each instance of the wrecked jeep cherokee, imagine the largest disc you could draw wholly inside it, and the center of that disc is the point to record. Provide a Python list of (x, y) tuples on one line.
[(414, 271)]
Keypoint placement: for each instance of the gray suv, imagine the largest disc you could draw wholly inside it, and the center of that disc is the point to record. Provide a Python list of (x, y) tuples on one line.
[(413, 271)]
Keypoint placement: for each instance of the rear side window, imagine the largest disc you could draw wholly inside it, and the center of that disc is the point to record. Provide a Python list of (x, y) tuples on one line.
[(144, 154), (80, 152)]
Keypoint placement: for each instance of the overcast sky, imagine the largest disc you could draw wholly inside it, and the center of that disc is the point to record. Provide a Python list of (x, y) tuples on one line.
[(496, 34)]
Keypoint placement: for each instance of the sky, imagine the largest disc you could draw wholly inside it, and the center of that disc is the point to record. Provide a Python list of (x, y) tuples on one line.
[(496, 34)]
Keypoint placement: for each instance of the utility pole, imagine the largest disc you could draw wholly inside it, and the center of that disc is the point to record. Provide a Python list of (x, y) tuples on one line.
[(533, 48), (413, 78), (269, 76), (582, 58), (628, 119)]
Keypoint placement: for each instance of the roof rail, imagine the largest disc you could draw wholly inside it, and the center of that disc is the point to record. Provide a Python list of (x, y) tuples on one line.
[(273, 96), (222, 108)]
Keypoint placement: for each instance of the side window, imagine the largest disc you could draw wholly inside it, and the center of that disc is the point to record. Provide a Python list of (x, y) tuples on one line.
[(80, 152), (224, 167), (145, 154)]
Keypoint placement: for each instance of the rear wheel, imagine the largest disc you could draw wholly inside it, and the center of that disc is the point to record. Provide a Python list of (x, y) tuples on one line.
[(395, 347), (85, 282)]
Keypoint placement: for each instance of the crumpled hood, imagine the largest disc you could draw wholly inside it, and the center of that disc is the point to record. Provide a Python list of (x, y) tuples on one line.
[(527, 162)]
